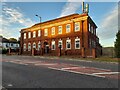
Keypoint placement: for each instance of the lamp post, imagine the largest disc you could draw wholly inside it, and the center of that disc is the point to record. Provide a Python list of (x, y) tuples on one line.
[(39, 17), (40, 32)]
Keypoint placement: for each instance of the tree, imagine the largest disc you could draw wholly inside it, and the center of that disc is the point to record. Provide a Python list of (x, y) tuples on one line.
[(117, 45), (13, 39)]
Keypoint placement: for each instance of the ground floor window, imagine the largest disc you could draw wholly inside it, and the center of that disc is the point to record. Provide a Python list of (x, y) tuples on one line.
[(60, 44), (29, 46), (34, 45), (53, 45), (39, 45), (77, 43), (24, 47), (68, 44)]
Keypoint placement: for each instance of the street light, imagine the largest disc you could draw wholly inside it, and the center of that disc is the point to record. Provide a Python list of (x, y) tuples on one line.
[(39, 17), (40, 30)]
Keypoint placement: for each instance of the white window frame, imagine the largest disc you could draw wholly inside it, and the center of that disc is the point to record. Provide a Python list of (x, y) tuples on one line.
[(39, 33), (39, 45), (68, 29), (89, 27), (24, 47), (92, 29), (53, 31), (77, 23), (59, 30), (24, 35), (34, 34), (29, 34), (29, 46), (45, 32), (33, 45), (77, 39), (68, 40), (53, 43), (61, 43)]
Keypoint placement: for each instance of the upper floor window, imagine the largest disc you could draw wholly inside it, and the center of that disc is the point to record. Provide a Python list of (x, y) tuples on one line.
[(68, 44), (92, 30), (29, 46), (60, 44), (34, 34), (24, 35), (53, 30), (77, 43), (59, 29), (67, 28), (77, 26), (53, 45), (29, 34), (46, 32), (39, 33), (89, 27)]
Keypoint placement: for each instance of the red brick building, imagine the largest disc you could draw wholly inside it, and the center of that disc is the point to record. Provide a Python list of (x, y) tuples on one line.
[(71, 35)]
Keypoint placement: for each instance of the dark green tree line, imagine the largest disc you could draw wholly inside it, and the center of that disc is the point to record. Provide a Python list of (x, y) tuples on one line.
[(117, 45)]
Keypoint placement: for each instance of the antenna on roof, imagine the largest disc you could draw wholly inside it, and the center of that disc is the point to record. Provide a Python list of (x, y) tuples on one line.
[(82, 6), (85, 9)]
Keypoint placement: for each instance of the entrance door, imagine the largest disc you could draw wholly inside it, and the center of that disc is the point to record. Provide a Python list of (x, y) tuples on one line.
[(46, 47)]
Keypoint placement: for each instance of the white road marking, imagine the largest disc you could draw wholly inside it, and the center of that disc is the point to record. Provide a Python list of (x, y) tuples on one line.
[(77, 72), (45, 64), (9, 85), (107, 73), (70, 68)]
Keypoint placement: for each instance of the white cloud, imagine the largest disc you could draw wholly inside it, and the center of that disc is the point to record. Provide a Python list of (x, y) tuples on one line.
[(108, 28), (13, 20), (70, 7), (15, 16)]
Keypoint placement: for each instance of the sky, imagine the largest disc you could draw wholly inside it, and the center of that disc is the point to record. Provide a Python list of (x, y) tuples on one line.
[(18, 15)]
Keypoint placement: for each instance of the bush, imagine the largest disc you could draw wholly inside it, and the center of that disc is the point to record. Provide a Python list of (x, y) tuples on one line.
[(4, 51)]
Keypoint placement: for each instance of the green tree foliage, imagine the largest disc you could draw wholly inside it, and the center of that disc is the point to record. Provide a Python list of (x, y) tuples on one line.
[(13, 39), (117, 45)]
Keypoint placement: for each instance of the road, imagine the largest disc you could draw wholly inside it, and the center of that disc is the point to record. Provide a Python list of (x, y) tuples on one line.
[(36, 72)]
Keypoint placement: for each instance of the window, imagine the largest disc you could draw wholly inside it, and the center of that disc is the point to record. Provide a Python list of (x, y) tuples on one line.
[(92, 31), (53, 30), (29, 34), (39, 33), (34, 34), (29, 46), (39, 45), (60, 44), (77, 26), (46, 32), (67, 28), (24, 35), (89, 26), (53, 45), (59, 29), (90, 43), (77, 43), (24, 47), (68, 44), (34, 45)]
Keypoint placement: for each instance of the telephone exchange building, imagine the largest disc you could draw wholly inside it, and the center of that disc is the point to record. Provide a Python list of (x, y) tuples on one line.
[(74, 34)]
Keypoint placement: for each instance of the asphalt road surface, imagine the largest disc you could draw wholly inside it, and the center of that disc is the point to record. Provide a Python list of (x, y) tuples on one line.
[(36, 72)]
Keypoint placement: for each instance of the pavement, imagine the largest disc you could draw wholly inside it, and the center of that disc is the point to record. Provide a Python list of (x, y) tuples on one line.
[(81, 74)]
